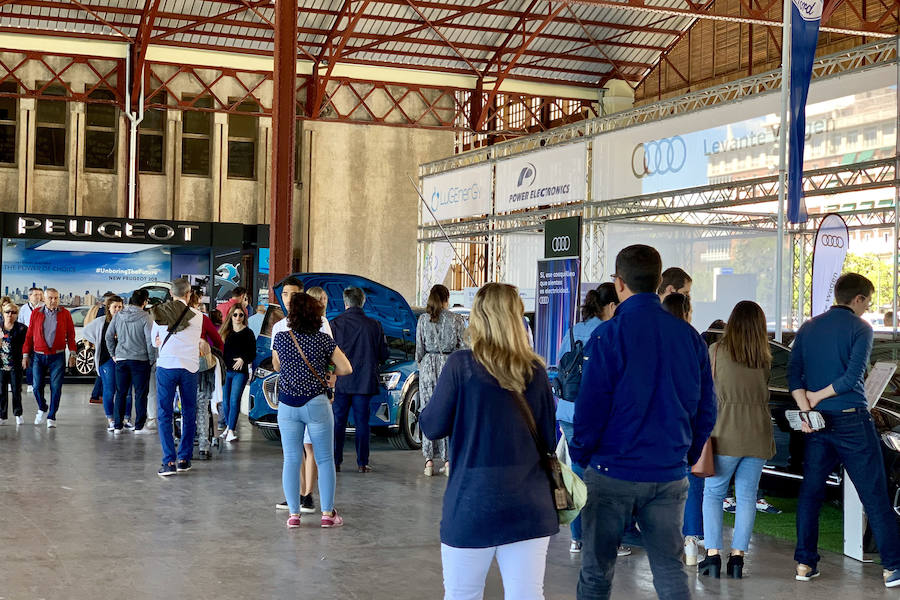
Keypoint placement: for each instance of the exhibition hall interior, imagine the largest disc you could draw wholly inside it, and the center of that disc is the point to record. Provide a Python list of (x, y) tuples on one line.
[(404, 299)]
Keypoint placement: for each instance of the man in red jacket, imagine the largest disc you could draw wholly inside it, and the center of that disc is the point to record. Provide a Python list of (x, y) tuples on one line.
[(50, 331)]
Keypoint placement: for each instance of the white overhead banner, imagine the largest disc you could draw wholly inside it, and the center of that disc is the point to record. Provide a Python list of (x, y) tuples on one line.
[(552, 176), (457, 194), (832, 241), (437, 260)]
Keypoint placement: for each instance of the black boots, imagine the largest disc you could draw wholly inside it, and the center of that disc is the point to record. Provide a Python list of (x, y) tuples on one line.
[(735, 568), (711, 565)]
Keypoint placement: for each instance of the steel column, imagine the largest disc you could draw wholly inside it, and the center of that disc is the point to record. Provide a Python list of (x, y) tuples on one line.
[(283, 123)]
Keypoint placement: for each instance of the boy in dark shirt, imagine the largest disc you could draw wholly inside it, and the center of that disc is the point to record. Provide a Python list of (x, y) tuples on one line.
[(826, 373)]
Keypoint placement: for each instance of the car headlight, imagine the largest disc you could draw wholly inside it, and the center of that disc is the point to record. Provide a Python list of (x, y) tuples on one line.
[(892, 440), (390, 380), (262, 373)]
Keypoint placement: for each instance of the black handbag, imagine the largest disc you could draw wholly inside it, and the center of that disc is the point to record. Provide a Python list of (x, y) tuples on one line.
[(562, 499)]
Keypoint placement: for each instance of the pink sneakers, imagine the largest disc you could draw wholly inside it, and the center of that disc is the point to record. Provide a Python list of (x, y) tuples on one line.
[(293, 522), (334, 520)]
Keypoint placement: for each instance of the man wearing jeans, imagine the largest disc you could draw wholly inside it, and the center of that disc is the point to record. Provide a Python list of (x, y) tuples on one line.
[(176, 333), (50, 332), (362, 340), (826, 373), (645, 409), (129, 343)]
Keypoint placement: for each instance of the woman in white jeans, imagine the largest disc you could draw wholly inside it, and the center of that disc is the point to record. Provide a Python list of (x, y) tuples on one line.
[(498, 502)]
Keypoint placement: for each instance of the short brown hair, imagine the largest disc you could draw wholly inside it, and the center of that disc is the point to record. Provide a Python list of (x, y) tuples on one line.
[(674, 276), (639, 267), (305, 313), (851, 285)]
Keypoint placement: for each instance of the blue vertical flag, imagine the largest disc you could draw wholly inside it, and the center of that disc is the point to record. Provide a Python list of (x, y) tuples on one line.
[(805, 18)]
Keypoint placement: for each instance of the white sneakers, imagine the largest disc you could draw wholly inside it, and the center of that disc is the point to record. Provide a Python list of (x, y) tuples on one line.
[(3, 421), (51, 424), (39, 417), (110, 425), (229, 436), (20, 420), (691, 550)]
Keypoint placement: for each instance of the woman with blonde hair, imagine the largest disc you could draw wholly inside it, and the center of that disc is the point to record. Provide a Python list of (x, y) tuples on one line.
[(742, 439), (12, 339), (439, 333), (498, 502)]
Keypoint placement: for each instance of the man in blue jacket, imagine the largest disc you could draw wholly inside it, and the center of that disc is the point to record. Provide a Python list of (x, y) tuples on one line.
[(826, 373), (645, 409), (361, 338)]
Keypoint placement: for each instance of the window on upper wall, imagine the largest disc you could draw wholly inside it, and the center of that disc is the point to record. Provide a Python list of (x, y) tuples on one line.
[(100, 132), (152, 136), (242, 129), (8, 113), (196, 130), (50, 129)]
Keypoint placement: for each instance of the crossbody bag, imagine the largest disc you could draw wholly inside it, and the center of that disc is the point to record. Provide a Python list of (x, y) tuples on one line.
[(174, 326), (329, 393)]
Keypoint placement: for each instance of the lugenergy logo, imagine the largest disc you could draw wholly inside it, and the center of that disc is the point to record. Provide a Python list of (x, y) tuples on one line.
[(454, 195), (810, 10)]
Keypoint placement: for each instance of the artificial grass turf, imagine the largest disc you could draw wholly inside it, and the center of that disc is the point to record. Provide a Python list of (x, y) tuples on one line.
[(783, 526)]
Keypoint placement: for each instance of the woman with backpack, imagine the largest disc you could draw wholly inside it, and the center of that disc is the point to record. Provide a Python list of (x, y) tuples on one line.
[(439, 333), (599, 306)]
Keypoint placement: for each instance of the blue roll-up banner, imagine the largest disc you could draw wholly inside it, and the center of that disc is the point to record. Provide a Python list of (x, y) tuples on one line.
[(555, 304), (805, 18)]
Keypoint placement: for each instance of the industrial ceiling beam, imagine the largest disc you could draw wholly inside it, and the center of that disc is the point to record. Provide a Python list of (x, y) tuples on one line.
[(501, 76), (434, 28), (139, 48), (217, 18)]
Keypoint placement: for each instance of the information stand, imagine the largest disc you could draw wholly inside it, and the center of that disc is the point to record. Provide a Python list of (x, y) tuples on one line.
[(854, 515)]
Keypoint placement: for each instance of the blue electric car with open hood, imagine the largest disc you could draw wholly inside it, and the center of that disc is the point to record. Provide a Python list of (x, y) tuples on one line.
[(395, 410)]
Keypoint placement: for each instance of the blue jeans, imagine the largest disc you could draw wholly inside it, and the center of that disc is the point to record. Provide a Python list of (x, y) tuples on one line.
[(97, 391), (136, 374), (167, 381), (292, 423), (746, 471), (108, 375), (693, 508), (231, 397), (849, 439), (360, 404), (568, 431), (52, 367), (610, 505)]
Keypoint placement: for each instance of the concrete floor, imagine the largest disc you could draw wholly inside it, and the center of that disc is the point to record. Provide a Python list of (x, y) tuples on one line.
[(84, 516)]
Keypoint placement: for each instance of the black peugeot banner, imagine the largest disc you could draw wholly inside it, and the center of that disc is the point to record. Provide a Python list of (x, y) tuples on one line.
[(562, 238), (106, 229)]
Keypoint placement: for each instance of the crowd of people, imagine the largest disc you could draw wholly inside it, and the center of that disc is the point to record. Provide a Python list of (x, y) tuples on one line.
[(654, 398)]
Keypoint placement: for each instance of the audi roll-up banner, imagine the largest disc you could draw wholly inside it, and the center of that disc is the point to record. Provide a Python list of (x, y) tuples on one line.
[(458, 193), (546, 177), (556, 302), (832, 241), (805, 17)]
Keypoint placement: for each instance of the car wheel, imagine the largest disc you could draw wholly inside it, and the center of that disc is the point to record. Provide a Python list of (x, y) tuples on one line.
[(409, 435), (84, 360), (271, 433)]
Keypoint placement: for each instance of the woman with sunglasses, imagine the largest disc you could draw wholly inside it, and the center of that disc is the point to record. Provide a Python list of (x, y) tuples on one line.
[(12, 338), (240, 350)]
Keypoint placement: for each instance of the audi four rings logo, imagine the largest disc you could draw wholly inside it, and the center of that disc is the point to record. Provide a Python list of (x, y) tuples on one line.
[(561, 243), (659, 157), (832, 241)]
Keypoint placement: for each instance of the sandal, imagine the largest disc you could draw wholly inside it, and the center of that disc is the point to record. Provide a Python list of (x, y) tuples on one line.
[(429, 468)]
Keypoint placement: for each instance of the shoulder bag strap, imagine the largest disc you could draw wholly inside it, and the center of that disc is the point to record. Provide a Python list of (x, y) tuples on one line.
[(572, 337), (715, 355), (528, 415), (303, 356), (174, 326)]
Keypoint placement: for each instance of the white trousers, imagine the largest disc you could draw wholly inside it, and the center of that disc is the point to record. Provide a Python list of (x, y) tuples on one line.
[(521, 565)]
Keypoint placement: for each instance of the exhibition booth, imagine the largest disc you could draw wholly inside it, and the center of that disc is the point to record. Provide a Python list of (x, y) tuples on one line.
[(86, 257)]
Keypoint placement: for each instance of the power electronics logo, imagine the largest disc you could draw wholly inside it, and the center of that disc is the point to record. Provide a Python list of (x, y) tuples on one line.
[(527, 176), (659, 157)]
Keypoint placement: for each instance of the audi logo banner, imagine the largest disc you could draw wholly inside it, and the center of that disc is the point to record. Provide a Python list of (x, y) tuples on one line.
[(561, 243), (832, 241)]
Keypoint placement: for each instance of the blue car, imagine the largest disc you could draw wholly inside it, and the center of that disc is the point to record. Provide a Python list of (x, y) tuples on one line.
[(395, 410)]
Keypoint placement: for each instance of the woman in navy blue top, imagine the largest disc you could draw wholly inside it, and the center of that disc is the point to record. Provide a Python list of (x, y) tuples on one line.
[(498, 501), (301, 355)]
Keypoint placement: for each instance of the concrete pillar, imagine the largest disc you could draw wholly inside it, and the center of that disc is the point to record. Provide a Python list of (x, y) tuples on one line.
[(219, 162), (75, 159), (27, 128), (173, 161)]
